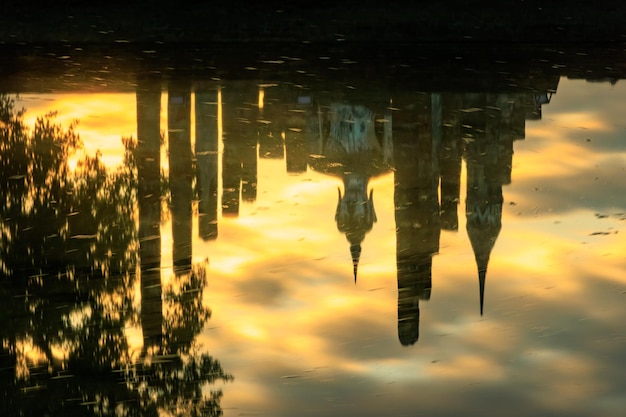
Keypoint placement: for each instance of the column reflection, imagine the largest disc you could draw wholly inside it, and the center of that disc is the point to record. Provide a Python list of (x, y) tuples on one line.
[(206, 149), (416, 141), (148, 157), (423, 137), (181, 172)]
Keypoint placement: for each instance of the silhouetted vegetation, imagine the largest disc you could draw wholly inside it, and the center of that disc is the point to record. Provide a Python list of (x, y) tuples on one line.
[(69, 260)]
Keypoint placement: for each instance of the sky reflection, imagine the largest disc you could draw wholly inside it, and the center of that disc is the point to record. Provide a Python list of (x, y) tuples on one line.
[(301, 336), (547, 343)]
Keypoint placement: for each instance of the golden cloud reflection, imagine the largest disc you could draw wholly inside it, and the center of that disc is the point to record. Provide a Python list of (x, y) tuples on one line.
[(578, 120), (579, 381), (552, 156), (461, 366), (103, 119), (282, 294), (475, 278)]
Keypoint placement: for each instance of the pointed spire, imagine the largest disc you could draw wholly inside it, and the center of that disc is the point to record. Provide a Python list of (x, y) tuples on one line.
[(482, 275), (482, 262), (482, 241), (355, 251)]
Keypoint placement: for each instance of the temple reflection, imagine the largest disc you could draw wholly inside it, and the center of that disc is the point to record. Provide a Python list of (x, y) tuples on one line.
[(329, 224), (422, 137), (343, 143), (216, 133)]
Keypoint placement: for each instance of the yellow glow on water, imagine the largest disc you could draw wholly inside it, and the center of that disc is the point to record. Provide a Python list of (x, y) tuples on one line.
[(339, 302), (302, 343), (261, 102), (103, 119), (556, 158), (459, 367), (134, 336), (571, 370), (286, 309), (252, 332), (165, 163), (231, 265), (578, 120)]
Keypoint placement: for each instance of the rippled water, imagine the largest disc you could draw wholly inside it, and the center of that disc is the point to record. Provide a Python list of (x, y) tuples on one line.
[(272, 248)]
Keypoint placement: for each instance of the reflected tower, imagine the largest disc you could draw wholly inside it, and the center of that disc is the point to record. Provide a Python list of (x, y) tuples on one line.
[(483, 206), (181, 172), (148, 157), (295, 135), (416, 141), (207, 160), (271, 126), (450, 158), (344, 144), (239, 175)]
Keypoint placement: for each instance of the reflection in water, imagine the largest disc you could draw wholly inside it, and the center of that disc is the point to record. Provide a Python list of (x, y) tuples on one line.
[(74, 242), (180, 173), (423, 138), (70, 251), (417, 138), (207, 160), (343, 142), (148, 160), (487, 149)]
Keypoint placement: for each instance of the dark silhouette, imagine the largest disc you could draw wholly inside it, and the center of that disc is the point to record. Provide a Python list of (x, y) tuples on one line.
[(343, 142), (416, 142), (207, 160), (239, 173), (69, 256), (148, 160), (180, 173)]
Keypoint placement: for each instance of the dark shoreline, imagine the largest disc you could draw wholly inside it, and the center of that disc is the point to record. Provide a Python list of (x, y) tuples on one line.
[(529, 21), (108, 46), (443, 66)]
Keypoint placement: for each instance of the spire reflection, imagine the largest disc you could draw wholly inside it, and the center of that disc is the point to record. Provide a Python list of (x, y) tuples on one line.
[(346, 146), (422, 137)]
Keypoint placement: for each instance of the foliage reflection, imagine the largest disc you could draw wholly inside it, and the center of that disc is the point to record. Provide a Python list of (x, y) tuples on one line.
[(69, 260)]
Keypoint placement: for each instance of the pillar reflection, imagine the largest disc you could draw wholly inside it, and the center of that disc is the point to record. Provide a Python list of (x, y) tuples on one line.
[(239, 175), (416, 141), (181, 172), (450, 159), (423, 137), (206, 149), (148, 157)]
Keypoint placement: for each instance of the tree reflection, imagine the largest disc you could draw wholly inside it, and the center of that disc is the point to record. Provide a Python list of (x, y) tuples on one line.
[(69, 258), (170, 376)]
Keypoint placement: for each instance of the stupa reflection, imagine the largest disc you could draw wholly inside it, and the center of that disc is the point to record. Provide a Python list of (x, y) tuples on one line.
[(421, 137), (348, 145)]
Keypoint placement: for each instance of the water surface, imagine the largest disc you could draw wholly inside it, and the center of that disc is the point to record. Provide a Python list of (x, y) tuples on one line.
[(250, 247)]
